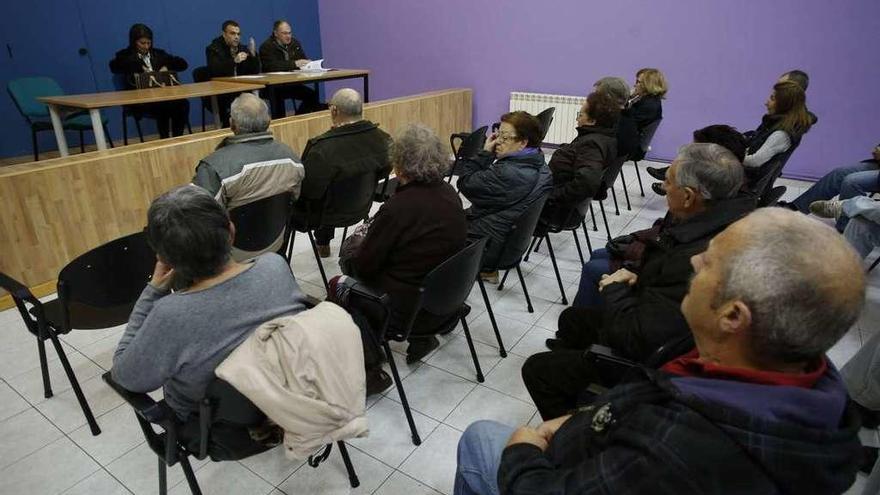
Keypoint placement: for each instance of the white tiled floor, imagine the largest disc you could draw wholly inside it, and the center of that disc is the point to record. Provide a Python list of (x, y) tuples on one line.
[(47, 448)]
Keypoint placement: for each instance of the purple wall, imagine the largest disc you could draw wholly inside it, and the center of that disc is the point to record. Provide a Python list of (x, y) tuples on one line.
[(720, 58)]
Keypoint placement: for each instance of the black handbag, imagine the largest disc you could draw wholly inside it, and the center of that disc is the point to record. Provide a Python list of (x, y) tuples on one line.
[(155, 79)]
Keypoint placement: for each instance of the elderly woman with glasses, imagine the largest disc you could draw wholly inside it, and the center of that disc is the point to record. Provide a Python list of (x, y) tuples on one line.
[(503, 180)]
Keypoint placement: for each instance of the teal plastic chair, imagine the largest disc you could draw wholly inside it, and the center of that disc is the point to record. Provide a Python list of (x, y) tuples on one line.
[(24, 93)]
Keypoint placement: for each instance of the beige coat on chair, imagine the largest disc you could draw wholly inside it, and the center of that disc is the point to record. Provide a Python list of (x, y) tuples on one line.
[(306, 372)]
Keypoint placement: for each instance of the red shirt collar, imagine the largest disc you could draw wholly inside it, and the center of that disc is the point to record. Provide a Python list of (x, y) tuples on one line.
[(688, 365)]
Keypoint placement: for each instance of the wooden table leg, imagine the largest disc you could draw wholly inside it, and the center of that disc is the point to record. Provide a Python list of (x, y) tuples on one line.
[(215, 109), (98, 128), (58, 127)]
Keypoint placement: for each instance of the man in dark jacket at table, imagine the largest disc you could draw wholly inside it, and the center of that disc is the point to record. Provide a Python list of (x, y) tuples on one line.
[(227, 57), (756, 407), (351, 147), (281, 52), (640, 309)]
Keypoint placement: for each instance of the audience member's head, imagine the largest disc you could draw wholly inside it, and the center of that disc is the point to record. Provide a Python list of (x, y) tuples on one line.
[(764, 297), (248, 114), (700, 174), (417, 155), (518, 130), (346, 106), (650, 82), (140, 37), (796, 76), (789, 102), (231, 33), (599, 109), (614, 86), (724, 135), (282, 32), (191, 232)]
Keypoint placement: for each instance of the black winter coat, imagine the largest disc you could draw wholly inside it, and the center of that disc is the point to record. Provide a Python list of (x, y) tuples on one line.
[(276, 58), (127, 62), (578, 166), (221, 62), (645, 110)]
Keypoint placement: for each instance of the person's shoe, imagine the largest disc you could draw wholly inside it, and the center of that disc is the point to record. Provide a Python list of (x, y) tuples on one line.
[(657, 173), (323, 251), (657, 187), (490, 277), (786, 204), (377, 381), (555, 344), (831, 208), (419, 348)]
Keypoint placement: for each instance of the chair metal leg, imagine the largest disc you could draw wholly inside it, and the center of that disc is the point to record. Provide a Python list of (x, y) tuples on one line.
[(639, 176), (470, 342), (525, 290), (605, 219), (107, 133), (74, 384), (503, 279), (593, 216), (416, 440), (35, 146), (189, 127), (556, 269), (124, 128), (577, 243), (625, 190), (137, 125), (203, 117), (163, 477), (353, 480), (44, 367), (874, 265), (190, 475), (501, 350), (614, 197), (344, 235), (320, 265), (587, 237), (532, 245)]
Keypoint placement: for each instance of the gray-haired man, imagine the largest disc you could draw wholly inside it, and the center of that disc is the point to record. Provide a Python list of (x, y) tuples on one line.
[(250, 165)]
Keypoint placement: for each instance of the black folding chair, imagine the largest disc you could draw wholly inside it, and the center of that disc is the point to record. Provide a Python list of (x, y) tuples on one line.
[(260, 223), (350, 198), (546, 119), (443, 292), (559, 221), (96, 290), (612, 368), (609, 176), (646, 135), (761, 181), (465, 145), (221, 431)]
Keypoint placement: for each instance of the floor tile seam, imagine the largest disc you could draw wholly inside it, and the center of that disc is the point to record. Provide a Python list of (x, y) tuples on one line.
[(98, 464), (348, 446)]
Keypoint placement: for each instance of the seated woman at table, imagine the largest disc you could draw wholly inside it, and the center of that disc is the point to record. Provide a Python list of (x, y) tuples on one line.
[(141, 56)]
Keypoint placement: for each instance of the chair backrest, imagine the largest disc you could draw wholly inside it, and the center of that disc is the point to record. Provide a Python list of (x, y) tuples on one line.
[(470, 145), (647, 134), (201, 74), (609, 176), (568, 218), (21, 296), (259, 223), (761, 182), (546, 118), (772, 197), (520, 236), (113, 274), (352, 196), (26, 90), (373, 306), (445, 288)]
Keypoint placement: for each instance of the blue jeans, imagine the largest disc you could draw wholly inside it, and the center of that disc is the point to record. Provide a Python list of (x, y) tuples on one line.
[(588, 289), (479, 456), (846, 182)]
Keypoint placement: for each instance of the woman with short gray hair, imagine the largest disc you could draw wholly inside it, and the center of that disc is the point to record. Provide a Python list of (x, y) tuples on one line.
[(418, 228)]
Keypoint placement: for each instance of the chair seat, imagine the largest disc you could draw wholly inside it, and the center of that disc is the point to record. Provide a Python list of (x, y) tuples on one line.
[(80, 121), (85, 317)]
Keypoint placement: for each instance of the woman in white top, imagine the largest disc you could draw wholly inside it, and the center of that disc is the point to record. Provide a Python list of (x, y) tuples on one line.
[(787, 119)]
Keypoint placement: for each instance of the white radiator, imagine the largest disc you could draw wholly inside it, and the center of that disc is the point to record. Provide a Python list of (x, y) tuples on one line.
[(562, 129)]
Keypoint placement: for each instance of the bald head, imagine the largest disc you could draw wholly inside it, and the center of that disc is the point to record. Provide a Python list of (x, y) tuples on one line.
[(803, 284), (248, 114), (346, 105)]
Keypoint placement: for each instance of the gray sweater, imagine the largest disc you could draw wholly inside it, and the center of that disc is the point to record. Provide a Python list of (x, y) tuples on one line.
[(175, 341)]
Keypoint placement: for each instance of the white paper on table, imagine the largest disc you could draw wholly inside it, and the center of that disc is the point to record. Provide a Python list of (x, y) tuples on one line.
[(314, 66), (250, 76)]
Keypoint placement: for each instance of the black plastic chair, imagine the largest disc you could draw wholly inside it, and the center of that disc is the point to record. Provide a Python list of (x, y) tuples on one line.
[(220, 431), (259, 223), (443, 292), (612, 368), (350, 196), (465, 145), (96, 290), (646, 135), (560, 221), (546, 119), (609, 176), (202, 74), (762, 180)]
